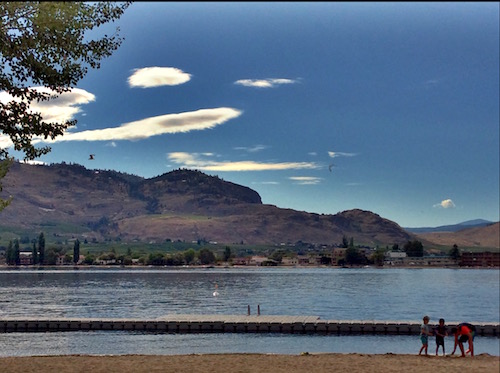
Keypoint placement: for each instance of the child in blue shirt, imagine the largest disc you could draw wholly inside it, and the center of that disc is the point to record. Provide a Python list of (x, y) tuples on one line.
[(424, 335)]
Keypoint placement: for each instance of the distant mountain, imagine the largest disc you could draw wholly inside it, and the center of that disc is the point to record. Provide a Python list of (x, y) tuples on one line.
[(71, 201), (487, 237), (477, 223)]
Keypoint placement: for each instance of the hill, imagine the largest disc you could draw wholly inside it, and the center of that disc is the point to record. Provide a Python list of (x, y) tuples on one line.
[(72, 201), (452, 228), (482, 236)]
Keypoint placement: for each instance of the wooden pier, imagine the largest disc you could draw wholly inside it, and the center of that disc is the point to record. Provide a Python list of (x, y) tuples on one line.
[(178, 323)]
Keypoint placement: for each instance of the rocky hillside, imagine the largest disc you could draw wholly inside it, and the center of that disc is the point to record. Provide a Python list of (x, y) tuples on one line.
[(70, 200)]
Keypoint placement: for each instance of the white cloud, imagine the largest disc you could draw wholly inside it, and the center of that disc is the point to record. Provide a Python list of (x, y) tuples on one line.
[(340, 154), (154, 126), (195, 161), (59, 109), (306, 180), (445, 204), (157, 76), (33, 162), (253, 149), (264, 83), (5, 141)]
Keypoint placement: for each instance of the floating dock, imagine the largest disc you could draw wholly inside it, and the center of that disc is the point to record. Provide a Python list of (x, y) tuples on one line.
[(178, 323)]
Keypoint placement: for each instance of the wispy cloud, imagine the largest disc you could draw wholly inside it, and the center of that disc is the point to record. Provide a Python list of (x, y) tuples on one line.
[(266, 182), (432, 82), (157, 76), (154, 126), (197, 161), (340, 154), (306, 180), (445, 204), (59, 109), (264, 83), (252, 149)]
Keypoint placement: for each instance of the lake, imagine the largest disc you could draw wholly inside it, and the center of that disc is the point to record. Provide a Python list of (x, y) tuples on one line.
[(392, 294)]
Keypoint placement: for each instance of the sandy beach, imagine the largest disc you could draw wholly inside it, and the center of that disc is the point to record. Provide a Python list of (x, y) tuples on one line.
[(252, 363)]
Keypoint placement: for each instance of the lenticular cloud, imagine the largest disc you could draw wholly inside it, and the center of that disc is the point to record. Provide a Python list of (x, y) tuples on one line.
[(157, 76), (164, 124)]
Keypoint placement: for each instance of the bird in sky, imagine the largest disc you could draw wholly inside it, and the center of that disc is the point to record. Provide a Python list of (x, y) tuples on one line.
[(331, 166), (91, 156)]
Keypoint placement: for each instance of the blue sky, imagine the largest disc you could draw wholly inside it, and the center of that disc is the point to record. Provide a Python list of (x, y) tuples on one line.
[(319, 107)]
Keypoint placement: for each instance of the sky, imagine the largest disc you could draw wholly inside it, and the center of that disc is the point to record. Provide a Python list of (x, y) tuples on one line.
[(318, 106)]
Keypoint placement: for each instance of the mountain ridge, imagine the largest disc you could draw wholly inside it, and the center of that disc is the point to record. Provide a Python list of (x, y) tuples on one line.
[(72, 201)]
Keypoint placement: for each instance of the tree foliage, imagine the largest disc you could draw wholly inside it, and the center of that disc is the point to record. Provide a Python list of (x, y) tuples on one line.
[(379, 256), (41, 248), (12, 255), (189, 256), (353, 256), (76, 251), (34, 253), (227, 254), (454, 252), (45, 50), (206, 256), (414, 248), (4, 167), (345, 242)]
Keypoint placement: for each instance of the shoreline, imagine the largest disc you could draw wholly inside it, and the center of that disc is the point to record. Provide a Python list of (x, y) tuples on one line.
[(149, 267), (252, 363)]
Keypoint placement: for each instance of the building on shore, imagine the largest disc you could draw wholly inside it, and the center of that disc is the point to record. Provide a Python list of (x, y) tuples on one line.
[(480, 259)]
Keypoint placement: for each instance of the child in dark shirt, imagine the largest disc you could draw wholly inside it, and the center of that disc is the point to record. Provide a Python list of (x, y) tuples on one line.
[(440, 331)]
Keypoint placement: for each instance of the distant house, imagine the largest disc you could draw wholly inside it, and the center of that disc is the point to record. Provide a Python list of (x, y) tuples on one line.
[(286, 261), (303, 260), (395, 258), (241, 261), (395, 254), (338, 254), (105, 261), (25, 258), (257, 260)]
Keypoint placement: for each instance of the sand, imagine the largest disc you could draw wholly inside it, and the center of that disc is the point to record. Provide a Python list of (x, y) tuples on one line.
[(252, 363)]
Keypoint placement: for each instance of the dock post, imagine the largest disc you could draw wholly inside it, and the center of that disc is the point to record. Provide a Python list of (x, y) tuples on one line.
[(248, 313), (258, 309)]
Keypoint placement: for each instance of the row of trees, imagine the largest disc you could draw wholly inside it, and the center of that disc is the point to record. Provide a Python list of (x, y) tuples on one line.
[(49, 256), (203, 256), (414, 249), (39, 254)]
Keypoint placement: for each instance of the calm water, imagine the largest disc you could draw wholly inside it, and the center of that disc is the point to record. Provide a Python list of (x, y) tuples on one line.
[(330, 293)]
